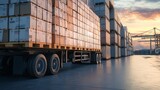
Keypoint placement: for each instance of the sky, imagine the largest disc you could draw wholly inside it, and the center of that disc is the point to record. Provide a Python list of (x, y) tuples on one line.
[(139, 16)]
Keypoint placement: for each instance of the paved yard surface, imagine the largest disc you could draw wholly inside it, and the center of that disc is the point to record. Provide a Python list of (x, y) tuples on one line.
[(131, 73)]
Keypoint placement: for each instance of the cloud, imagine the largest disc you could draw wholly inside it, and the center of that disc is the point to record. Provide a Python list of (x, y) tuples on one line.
[(152, 1), (140, 13), (141, 9), (147, 13)]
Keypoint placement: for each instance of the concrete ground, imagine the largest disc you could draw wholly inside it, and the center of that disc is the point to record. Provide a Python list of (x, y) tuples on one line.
[(131, 73)]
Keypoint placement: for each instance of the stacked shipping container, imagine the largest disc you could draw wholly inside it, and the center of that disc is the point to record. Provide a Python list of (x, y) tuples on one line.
[(123, 41), (101, 8), (64, 23), (26, 21), (115, 25), (110, 28), (129, 45), (126, 42)]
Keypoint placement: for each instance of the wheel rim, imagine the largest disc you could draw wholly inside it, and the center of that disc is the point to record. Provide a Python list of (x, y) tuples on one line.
[(55, 64), (97, 58), (40, 67)]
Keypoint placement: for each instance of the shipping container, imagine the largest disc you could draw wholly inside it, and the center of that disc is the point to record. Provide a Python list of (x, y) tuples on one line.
[(114, 38), (123, 52), (105, 38), (106, 53), (123, 32), (114, 51)]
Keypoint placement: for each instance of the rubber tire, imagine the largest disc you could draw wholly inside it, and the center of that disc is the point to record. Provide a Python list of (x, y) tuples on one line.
[(96, 59), (100, 58), (7, 64), (33, 65), (51, 62)]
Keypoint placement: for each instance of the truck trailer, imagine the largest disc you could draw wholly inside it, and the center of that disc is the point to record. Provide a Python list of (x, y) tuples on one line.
[(38, 36)]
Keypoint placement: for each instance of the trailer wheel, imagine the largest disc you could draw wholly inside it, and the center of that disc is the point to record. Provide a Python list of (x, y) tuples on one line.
[(53, 64), (100, 58), (7, 64), (37, 65), (96, 58)]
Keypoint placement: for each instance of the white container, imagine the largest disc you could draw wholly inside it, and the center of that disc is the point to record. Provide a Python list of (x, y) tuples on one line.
[(119, 52), (22, 35), (113, 13), (105, 24), (123, 42), (39, 12), (14, 35), (56, 30), (124, 32), (50, 5), (102, 11), (41, 3), (114, 38), (106, 54), (30, 9), (49, 28), (105, 38), (44, 26), (27, 35), (48, 38), (4, 1), (39, 24), (3, 10), (49, 17), (113, 25), (3, 23), (40, 37), (14, 22), (14, 9), (45, 15), (27, 22), (119, 40), (123, 52), (114, 51)]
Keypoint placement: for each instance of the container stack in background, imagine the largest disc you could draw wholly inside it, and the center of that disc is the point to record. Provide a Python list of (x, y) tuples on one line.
[(110, 27), (124, 41), (129, 45), (115, 26), (101, 8), (26, 22), (76, 25)]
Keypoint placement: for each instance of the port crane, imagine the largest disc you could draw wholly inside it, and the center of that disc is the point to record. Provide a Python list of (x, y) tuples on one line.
[(151, 37)]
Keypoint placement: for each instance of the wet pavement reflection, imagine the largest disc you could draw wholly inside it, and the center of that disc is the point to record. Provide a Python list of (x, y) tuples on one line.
[(131, 73)]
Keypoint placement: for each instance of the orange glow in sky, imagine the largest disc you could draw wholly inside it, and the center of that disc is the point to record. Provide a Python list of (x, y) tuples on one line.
[(139, 16)]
